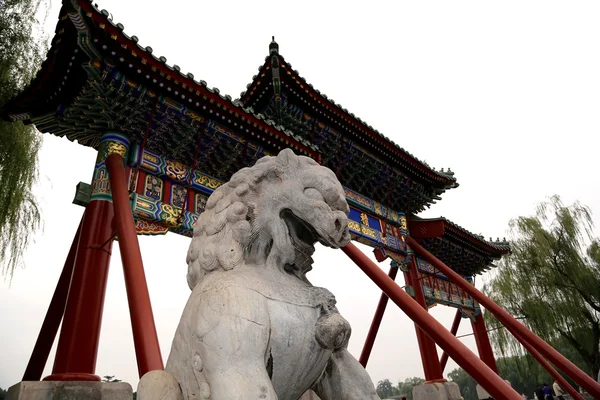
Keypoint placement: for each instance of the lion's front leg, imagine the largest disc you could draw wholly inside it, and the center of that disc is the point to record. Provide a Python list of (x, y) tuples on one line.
[(232, 327), (344, 378)]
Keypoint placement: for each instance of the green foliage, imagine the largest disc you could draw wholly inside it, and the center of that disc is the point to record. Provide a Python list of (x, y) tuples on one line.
[(552, 280), (465, 383), (406, 388), (385, 389), (523, 372), (2, 394), (21, 52)]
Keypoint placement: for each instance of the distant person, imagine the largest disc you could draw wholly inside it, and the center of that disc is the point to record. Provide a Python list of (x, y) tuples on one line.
[(403, 397), (547, 392), (558, 390), (539, 392)]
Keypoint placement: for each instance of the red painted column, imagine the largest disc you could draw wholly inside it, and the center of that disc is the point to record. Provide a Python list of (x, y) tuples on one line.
[(145, 340), (484, 347), (429, 356), (78, 342), (490, 381), (524, 334), (80, 333), (54, 315), (370, 340), (453, 330)]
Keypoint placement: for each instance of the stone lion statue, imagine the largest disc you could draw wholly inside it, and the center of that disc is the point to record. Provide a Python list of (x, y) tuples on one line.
[(254, 327)]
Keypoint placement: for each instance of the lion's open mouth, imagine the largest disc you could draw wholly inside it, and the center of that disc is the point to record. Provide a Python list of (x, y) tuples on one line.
[(301, 232)]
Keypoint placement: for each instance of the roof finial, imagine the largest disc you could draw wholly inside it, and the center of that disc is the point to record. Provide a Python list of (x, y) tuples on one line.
[(273, 46)]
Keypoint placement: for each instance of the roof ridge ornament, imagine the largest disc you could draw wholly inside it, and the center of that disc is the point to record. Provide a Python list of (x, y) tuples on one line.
[(273, 46)]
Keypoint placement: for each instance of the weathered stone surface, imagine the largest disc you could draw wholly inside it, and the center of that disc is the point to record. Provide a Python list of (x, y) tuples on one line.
[(254, 327), (437, 391), (309, 395), (158, 385), (70, 391)]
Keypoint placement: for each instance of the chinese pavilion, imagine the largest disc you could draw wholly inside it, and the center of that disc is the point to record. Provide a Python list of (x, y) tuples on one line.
[(166, 141)]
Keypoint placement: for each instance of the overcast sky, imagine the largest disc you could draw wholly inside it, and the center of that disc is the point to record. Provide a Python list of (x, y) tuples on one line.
[(506, 94)]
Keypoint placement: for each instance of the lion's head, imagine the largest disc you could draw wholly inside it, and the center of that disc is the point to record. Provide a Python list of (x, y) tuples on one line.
[(272, 215)]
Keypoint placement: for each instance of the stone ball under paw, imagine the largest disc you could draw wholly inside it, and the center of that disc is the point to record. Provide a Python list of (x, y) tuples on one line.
[(159, 385), (332, 331)]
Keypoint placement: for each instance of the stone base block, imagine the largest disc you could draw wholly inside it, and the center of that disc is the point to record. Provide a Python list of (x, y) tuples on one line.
[(53, 390), (309, 395), (437, 391)]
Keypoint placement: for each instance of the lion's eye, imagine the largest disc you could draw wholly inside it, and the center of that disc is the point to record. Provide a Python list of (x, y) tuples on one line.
[(314, 194)]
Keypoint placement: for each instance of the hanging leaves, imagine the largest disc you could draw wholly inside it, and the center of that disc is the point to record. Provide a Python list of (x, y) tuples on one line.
[(21, 52), (552, 280)]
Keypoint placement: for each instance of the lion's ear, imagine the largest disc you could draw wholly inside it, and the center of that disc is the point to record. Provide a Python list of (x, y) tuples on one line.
[(288, 158)]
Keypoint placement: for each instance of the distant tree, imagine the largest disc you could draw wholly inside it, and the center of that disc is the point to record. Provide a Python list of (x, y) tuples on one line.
[(552, 280), (466, 384), (110, 379), (406, 388), (385, 389), (2, 394), (21, 51)]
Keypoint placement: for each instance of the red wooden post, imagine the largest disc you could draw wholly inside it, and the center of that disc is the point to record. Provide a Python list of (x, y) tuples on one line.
[(525, 335), (453, 330), (482, 340), (491, 382), (78, 342), (54, 315), (147, 348), (429, 357), (370, 340)]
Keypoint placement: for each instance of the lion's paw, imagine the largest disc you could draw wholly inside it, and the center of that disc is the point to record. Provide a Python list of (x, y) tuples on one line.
[(159, 385)]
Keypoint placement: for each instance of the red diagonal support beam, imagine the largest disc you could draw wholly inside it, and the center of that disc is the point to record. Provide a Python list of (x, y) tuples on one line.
[(491, 382), (54, 315), (453, 330), (524, 334), (370, 340), (145, 340), (548, 367), (482, 339)]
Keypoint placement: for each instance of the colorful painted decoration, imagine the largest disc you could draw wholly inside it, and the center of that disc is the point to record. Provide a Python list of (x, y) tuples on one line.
[(178, 195), (154, 187), (439, 290), (200, 203)]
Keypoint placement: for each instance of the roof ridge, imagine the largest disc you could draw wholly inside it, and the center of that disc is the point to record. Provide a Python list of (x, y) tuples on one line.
[(441, 173)]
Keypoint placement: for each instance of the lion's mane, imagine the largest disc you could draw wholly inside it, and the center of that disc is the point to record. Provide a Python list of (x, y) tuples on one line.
[(227, 226)]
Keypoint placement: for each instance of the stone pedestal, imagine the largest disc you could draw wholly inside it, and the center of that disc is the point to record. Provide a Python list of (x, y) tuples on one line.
[(437, 391), (54, 390), (309, 395), (482, 393)]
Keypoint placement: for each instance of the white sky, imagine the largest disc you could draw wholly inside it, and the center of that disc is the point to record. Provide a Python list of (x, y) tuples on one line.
[(505, 93)]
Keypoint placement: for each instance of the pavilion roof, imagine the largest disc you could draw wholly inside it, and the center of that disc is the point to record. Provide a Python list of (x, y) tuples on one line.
[(96, 78), (467, 253), (260, 91)]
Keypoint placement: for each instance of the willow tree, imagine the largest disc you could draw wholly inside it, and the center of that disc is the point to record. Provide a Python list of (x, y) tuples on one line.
[(552, 280), (21, 51)]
